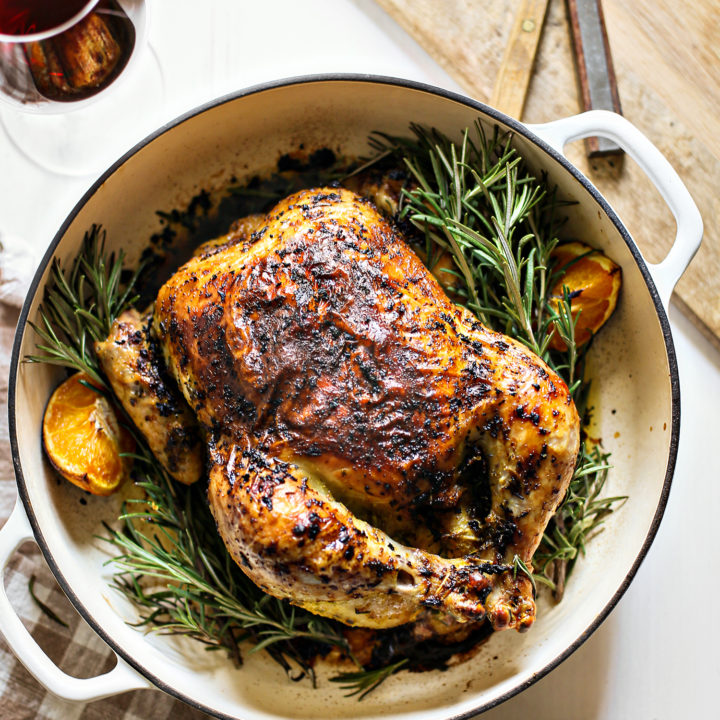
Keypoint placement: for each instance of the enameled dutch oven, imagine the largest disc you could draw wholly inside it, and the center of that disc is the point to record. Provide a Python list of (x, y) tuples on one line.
[(636, 400)]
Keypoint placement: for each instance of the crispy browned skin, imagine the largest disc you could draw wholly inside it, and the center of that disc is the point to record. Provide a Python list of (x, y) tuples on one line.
[(336, 380), (156, 407)]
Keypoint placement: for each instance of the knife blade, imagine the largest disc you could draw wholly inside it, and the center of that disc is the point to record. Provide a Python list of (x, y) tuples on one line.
[(595, 71)]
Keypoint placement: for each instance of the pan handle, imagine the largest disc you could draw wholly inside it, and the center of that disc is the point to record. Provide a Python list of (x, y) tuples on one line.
[(687, 217), (118, 680)]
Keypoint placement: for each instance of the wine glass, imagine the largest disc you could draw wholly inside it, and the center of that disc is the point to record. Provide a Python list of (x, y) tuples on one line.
[(73, 75)]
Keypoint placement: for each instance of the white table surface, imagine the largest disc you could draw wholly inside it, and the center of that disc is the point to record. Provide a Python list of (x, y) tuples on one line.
[(656, 656)]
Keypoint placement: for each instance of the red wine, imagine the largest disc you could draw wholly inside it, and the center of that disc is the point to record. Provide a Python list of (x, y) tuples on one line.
[(24, 17)]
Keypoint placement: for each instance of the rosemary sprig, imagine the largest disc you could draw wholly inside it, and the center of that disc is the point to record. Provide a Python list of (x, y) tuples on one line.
[(579, 518), (519, 566), (81, 304), (478, 202), (365, 681)]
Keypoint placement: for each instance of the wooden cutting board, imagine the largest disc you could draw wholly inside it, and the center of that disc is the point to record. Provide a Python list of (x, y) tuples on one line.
[(667, 62)]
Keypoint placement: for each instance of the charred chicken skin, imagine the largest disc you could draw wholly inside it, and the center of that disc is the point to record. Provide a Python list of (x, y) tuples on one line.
[(376, 455), (137, 375)]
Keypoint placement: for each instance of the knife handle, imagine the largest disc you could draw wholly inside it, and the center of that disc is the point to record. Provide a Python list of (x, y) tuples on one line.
[(594, 65), (513, 79)]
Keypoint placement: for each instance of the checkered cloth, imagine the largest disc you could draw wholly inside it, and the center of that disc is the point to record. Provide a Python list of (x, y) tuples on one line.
[(76, 649)]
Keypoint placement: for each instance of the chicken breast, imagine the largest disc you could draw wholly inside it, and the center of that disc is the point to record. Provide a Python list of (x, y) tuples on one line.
[(376, 453)]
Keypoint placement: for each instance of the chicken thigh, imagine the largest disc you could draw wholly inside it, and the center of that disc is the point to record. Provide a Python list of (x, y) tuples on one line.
[(376, 454)]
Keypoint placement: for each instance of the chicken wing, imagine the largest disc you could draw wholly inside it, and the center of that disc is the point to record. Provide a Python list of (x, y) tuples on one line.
[(152, 401)]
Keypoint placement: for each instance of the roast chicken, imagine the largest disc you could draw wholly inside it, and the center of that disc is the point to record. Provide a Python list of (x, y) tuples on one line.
[(375, 454)]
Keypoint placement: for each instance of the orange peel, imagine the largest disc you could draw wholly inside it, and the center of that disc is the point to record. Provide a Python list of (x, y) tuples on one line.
[(593, 281), (83, 438)]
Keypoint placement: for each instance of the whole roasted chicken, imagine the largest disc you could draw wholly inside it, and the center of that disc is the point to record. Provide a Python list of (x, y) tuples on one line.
[(376, 455)]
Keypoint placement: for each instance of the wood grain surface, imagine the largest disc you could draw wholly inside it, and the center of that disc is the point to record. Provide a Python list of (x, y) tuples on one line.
[(667, 63)]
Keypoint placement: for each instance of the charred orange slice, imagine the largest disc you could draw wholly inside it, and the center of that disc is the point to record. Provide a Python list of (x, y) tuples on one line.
[(593, 281), (83, 438)]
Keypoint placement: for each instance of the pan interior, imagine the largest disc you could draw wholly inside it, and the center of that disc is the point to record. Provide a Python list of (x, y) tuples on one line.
[(632, 399)]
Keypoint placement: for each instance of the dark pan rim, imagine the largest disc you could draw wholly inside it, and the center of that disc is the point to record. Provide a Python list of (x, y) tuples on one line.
[(481, 108)]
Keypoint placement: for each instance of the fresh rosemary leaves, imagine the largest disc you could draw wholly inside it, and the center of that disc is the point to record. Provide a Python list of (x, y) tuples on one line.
[(475, 200), (81, 305), (365, 681)]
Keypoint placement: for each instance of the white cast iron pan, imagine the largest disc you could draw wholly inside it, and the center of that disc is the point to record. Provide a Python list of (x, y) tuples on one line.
[(633, 364)]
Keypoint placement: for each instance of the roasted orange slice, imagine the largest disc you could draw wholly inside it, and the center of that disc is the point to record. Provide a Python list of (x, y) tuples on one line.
[(83, 438), (593, 281)]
